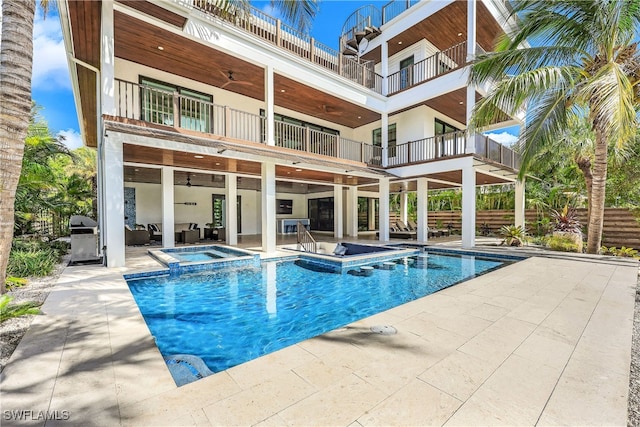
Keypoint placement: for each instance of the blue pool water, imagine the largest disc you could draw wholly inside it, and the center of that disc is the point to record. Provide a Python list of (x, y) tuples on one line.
[(230, 316), (198, 256)]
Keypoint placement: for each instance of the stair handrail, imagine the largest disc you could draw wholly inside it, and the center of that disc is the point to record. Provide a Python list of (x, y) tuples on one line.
[(305, 239)]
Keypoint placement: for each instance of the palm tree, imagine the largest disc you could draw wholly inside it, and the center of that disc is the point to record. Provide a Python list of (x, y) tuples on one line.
[(16, 61), (586, 64)]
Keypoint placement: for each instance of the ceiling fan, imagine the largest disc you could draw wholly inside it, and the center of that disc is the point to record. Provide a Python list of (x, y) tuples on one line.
[(231, 79)]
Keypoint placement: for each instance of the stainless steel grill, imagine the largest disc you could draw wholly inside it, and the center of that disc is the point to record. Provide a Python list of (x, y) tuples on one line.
[(84, 239)]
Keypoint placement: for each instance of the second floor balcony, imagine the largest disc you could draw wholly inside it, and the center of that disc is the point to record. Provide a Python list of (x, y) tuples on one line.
[(145, 104)]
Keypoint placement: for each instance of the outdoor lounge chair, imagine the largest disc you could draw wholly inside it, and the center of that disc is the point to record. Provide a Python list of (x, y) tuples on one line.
[(135, 237)]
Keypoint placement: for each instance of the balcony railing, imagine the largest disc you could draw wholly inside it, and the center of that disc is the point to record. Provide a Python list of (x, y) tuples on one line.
[(172, 109), (395, 8), (492, 150), (448, 145), (429, 68), (272, 30)]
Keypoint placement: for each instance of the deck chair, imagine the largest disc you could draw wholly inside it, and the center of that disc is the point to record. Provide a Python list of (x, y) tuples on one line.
[(402, 226), (412, 225)]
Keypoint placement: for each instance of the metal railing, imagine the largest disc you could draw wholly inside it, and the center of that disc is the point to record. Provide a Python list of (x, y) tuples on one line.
[(449, 145), (429, 68), (395, 8), (265, 27), (305, 239), (422, 150), (492, 150), (140, 102)]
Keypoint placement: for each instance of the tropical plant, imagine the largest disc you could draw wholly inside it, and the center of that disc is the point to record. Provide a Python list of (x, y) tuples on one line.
[(9, 311), (586, 64), (513, 235), (563, 243), (622, 252), (16, 282), (566, 220)]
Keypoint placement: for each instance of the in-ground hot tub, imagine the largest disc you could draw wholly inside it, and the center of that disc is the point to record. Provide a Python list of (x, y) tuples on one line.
[(194, 258)]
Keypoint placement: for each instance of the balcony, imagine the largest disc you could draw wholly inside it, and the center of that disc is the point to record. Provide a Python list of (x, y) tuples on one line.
[(274, 31), (429, 68), (174, 110), (450, 145)]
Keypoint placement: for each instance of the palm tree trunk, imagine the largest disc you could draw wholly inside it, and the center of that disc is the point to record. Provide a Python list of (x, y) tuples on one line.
[(596, 217), (584, 164), (16, 61)]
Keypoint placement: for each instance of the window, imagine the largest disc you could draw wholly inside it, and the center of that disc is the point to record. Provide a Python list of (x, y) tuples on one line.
[(442, 127), (406, 72), (447, 144), (157, 105), (377, 139)]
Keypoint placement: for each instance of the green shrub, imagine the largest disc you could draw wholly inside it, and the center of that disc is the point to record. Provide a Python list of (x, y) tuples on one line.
[(9, 311), (562, 243), (36, 262), (622, 252), (15, 282)]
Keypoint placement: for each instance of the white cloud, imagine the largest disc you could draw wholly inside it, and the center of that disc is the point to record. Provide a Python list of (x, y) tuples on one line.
[(50, 69), (504, 138), (72, 138)]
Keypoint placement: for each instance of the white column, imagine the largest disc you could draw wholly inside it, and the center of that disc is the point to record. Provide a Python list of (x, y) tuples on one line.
[(404, 201), (338, 209), (113, 230), (268, 186), (519, 205), (168, 214), (352, 211), (231, 196), (471, 54), (422, 208), (107, 59), (371, 215), (385, 139), (269, 99), (468, 207), (384, 46), (384, 209)]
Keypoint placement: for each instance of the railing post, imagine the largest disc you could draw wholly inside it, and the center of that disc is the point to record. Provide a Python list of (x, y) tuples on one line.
[(227, 120), (278, 33), (340, 70), (312, 43), (176, 111), (409, 151), (307, 138), (362, 152)]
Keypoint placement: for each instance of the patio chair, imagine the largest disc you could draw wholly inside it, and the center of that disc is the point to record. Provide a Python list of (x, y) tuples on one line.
[(412, 225), (136, 237), (402, 226)]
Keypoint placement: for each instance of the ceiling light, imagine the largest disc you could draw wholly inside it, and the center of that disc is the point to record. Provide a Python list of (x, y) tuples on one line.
[(400, 42), (160, 48), (282, 90), (137, 170), (359, 117), (459, 34), (298, 170), (217, 163), (197, 156), (461, 102), (349, 176)]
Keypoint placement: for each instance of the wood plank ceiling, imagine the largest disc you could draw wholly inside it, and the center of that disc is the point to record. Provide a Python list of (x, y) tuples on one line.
[(140, 42), (156, 156)]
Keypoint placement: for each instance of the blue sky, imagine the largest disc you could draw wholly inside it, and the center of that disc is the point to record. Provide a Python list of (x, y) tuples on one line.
[(51, 86)]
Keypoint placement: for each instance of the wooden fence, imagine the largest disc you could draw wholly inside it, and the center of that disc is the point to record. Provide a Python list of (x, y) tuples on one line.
[(621, 228)]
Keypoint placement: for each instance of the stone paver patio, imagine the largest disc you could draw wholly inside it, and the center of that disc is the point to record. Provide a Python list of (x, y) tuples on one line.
[(544, 341)]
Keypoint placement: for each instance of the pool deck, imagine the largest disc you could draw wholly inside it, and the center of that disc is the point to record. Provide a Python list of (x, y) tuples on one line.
[(544, 341)]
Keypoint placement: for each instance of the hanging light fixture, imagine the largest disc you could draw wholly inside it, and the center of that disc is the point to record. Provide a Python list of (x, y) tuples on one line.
[(188, 180)]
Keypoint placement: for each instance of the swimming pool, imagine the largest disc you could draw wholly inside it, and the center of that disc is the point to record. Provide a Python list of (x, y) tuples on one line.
[(230, 316)]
